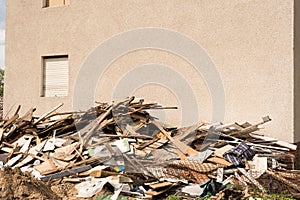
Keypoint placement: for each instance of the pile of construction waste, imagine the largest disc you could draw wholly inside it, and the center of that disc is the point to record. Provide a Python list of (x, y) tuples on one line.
[(120, 151)]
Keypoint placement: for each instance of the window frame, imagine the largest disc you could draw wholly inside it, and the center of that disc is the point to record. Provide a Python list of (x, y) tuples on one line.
[(46, 4)]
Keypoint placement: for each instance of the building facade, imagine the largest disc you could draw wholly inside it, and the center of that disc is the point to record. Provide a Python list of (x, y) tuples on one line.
[(252, 44)]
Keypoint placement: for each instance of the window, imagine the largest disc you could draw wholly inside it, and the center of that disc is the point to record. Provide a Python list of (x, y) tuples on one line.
[(55, 76), (52, 3)]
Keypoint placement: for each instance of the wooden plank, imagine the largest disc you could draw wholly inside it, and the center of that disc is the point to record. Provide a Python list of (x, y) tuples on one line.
[(67, 172), (28, 115), (252, 128), (160, 185), (46, 168), (275, 141), (1, 134), (96, 126), (125, 136), (47, 113), (131, 130), (227, 127), (66, 153), (23, 121), (184, 132), (97, 168), (219, 152), (255, 182), (13, 160), (25, 143), (31, 153), (237, 141), (102, 173), (142, 146), (156, 145), (186, 150), (7, 149), (220, 161), (10, 121), (240, 179)]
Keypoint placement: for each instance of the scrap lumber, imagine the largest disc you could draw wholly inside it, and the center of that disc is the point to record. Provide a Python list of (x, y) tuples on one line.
[(121, 142), (285, 181), (274, 141), (67, 172), (183, 148), (10, 121), (195, 165), (48, 113), (251, 128), (160, 185), (220, 161), (251, 179), (46, 167)]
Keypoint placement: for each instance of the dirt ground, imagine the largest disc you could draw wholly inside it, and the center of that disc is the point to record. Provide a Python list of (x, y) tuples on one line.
[(17, 185)]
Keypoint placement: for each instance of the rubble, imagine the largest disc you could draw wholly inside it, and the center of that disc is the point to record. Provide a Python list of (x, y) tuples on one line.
[(121, 150)]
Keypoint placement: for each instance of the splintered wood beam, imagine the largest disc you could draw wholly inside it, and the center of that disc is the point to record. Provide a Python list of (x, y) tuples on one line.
[(97, 125), (47, 114), (18, 109), (10, 121), (186, 150)]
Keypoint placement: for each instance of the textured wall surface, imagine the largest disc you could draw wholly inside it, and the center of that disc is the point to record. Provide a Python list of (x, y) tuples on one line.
[(297, 72), (249, 41)]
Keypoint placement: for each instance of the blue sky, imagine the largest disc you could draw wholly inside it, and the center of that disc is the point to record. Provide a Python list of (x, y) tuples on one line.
[(2, 31)]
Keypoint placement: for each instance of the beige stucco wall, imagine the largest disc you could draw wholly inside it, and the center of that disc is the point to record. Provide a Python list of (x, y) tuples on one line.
[(297, 71), (249, 41)]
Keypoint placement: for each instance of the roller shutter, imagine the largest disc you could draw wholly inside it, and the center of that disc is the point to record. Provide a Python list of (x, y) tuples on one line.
[(56, 76)]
